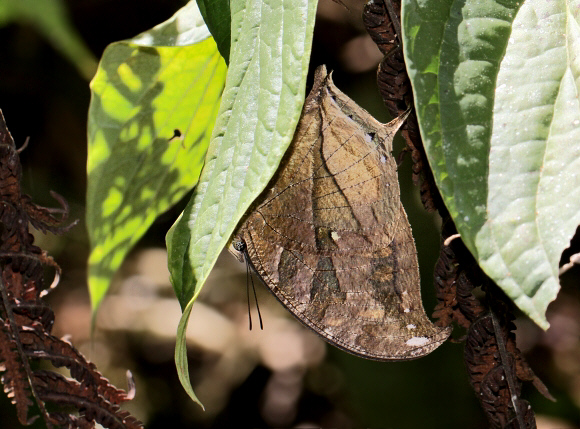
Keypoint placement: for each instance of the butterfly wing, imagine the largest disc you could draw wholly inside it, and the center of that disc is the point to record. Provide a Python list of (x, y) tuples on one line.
[(331, 239)]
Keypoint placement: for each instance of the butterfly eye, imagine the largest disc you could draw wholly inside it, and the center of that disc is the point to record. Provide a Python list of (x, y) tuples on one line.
[(239, 244)]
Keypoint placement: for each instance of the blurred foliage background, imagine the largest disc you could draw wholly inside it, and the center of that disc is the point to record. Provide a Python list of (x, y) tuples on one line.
[(283, 376)]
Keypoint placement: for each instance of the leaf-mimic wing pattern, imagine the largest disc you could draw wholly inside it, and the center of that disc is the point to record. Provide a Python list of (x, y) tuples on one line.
[(331, 239)]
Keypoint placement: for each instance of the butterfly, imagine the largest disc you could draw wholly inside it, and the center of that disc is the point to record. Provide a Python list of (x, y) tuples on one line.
[(330, 237)]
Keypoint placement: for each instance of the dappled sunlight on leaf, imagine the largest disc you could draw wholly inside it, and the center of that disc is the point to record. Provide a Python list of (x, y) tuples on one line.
[(151, 115)]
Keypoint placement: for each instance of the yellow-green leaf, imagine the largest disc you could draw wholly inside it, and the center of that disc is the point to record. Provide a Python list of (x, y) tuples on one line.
[(154, 103)]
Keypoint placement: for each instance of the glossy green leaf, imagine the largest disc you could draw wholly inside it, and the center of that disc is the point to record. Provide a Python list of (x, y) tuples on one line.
[(260, 108), (154, 103), (216, 14), (49, 17), (496, 86)]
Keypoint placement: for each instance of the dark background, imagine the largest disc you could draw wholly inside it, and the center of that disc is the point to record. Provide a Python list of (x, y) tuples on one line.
[(284, 376)]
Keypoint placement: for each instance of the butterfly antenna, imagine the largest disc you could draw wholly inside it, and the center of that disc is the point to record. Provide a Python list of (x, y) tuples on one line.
[(257, 305), (248, 274)]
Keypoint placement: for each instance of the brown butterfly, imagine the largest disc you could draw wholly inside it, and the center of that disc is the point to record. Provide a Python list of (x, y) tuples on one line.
[(330, 237)]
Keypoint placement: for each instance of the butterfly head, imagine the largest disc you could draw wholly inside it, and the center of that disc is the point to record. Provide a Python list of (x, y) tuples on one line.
[(238, 248)]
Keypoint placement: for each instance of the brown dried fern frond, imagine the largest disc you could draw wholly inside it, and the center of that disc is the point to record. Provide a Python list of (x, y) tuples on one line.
[(382, 19), (495, 366), (26, 321)]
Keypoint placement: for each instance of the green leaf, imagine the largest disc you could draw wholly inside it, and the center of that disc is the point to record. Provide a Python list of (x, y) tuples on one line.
[(260, 108), (154, 103), (216, 13), (496, 95), (49, 17)]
